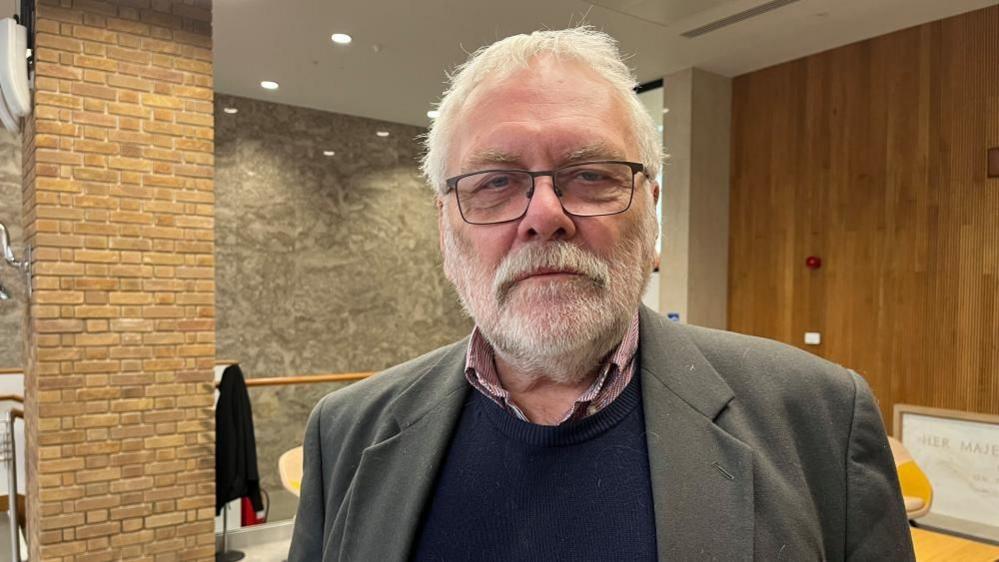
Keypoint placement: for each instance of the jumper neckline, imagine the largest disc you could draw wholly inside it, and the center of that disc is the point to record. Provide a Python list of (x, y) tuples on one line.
[(566, 434)]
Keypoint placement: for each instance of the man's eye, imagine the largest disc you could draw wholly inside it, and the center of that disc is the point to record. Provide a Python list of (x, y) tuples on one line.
[(497, 181), (589, 176)]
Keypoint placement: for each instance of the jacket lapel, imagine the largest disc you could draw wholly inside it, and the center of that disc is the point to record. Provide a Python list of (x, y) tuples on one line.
[(702, 477), (395, 476)]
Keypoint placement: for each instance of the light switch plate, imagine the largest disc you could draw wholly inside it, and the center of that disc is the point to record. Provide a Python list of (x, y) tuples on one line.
[(813, 338)]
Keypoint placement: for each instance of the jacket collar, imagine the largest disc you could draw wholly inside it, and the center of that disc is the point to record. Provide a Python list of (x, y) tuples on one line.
[(441, 385), (671, 359)]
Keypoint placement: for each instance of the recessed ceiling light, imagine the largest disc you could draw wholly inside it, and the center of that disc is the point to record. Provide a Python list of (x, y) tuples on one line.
[(341, 38), (329, 152), (382, 133), (230, 110), (665, 110), (269, 85), (433, 114)]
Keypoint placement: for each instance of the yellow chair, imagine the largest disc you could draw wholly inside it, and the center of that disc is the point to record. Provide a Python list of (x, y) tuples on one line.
[(917, 492), (290, 466)]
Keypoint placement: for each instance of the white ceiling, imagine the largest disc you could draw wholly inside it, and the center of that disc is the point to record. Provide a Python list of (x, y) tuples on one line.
[(395, 68)]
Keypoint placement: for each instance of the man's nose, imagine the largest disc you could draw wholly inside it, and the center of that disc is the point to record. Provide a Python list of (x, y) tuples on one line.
[(545, 218)]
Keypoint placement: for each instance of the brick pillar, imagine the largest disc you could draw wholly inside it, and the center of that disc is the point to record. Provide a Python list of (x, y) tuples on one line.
[(118, 204)]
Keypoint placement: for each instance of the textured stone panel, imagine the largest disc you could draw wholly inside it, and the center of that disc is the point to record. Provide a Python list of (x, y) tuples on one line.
[(11, 311), (323, 264)]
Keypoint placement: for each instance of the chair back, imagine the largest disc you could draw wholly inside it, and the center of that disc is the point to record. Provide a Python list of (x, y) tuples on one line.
[(290, 466), (917, 492)]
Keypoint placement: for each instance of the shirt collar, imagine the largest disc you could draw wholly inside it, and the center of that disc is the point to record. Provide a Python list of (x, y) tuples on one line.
[(613, 376)]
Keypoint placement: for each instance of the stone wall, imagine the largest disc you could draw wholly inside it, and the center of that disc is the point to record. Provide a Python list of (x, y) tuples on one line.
[(325, 264), (11, 311)]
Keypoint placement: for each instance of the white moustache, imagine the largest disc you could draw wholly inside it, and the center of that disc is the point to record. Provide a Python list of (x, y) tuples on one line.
[(550, 257)]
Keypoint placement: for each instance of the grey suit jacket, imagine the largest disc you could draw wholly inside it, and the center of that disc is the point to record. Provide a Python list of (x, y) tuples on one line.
[(757, 450)]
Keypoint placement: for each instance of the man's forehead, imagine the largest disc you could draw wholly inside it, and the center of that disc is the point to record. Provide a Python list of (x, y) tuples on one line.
[(594, 150)]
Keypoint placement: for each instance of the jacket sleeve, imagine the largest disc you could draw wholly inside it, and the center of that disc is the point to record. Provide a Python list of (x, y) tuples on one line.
[(876, 526), (307, 539)]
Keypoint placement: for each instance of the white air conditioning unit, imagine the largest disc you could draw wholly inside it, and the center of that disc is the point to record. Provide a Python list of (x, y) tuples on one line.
[(14, 85)]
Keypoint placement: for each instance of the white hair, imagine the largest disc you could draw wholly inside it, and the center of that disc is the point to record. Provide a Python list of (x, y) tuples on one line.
[(584, 44)]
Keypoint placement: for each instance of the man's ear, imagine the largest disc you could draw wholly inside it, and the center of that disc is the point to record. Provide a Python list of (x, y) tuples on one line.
[(655, 193)]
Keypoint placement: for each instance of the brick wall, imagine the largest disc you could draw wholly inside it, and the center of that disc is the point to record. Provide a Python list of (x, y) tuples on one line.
[(118, 204)]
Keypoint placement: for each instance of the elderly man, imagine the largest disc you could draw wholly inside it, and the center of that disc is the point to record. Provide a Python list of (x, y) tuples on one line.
[(574, 424)]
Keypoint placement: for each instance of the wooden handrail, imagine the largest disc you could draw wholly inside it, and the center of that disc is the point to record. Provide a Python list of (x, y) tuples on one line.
[(20, 371), (17, 371), (14, 397), (306, 379), (5, 505), (17, 413), (262, 381)]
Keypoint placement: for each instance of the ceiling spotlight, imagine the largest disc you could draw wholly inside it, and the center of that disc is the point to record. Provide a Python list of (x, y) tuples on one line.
[(665, 110), (382, 133), (329, 152), (230, 110), (269, 85), (433, 114), (341, 38)]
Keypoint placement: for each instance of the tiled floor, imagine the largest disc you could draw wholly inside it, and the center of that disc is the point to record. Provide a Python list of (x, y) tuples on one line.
[(263, 543), (267, 552)]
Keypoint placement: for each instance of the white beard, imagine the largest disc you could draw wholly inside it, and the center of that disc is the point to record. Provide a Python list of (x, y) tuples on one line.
[(560, 330)]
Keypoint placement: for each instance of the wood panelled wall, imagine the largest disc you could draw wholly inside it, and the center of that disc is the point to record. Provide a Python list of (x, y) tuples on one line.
[(873, 156)]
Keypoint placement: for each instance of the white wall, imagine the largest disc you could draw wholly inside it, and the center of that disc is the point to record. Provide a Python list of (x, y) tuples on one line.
[(695, 197)]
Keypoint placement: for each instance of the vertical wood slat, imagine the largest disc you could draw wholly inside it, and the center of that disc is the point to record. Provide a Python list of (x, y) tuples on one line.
[(874, 157)]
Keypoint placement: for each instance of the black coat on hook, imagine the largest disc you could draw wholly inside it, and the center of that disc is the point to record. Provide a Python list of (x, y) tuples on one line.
[(236, 474)]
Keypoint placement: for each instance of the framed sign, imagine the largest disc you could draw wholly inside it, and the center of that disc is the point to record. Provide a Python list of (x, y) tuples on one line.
[(959, 452)]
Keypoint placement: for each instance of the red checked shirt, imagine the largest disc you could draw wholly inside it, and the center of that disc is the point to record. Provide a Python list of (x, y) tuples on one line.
[(614, 376)]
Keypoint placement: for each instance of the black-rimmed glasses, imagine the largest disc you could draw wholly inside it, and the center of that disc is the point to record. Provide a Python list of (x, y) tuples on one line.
[(588, 189)]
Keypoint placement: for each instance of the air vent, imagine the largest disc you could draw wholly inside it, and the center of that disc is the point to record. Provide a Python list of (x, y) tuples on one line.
[(736, 18)]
